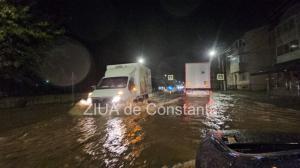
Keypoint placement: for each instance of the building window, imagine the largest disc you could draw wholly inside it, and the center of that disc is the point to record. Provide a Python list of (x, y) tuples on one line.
[(235, 60), (240, 43), (294, 45), (243, 76), (288, 47), (283, 49)]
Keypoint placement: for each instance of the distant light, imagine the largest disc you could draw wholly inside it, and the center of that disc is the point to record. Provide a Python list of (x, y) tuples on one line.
[(212, 53), (294, 46), (161, 88), (141, 60), (170, 88), (179, 87), (47, 81), (85, 102)]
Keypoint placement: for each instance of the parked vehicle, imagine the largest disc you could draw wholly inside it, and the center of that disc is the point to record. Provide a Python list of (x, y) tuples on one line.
[(123, 83), (197, 79), (236, 150)]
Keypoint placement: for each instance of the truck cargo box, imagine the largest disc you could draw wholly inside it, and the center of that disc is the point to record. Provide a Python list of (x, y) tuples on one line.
[(197, 79)]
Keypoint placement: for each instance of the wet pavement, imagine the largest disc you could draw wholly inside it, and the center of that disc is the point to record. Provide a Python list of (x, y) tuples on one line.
[(60, 136)]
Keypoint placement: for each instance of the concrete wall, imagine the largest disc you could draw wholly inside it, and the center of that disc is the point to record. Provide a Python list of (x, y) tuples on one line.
[(12, 102)]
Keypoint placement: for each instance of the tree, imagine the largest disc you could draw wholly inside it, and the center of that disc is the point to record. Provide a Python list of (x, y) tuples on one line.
[(21, 37)]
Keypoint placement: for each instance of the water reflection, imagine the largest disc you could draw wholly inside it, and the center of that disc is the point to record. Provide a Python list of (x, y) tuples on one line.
[(215, 110), (136, 141), (115, 144), (113, 141), (134, 136), (87, 128)]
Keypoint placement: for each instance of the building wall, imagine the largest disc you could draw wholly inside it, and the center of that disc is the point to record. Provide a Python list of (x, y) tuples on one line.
[(267, 57), (250, 55), (258, 55), (285, 80), (287, 36), (259, 82)]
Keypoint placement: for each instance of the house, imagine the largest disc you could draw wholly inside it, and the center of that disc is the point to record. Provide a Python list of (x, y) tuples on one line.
[(247, 58)]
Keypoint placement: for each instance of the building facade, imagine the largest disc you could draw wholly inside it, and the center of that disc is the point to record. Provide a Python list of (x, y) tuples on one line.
[(247, 58), (268, 57), (285, 75)]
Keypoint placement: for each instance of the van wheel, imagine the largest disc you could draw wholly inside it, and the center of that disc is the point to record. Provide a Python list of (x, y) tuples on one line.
[(145, 98)]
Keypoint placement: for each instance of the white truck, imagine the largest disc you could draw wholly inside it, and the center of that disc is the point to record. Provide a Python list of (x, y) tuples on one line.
[(197, 79), (123, 83)]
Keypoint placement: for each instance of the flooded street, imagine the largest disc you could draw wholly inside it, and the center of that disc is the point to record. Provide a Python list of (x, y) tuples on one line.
[(62, 137)]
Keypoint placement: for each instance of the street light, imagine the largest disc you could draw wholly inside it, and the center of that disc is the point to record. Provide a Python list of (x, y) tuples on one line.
[(212, 52), (141, 60)]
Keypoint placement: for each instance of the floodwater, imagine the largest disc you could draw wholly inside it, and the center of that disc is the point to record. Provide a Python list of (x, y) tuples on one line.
[(60, 136)]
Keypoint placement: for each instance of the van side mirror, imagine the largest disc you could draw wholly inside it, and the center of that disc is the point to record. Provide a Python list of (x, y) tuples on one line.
[(93, 87)]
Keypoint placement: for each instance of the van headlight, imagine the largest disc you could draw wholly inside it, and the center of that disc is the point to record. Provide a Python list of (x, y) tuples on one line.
[(116, 99)]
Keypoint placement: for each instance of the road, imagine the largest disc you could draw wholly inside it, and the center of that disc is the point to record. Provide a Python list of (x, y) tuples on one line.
[(61, 136)]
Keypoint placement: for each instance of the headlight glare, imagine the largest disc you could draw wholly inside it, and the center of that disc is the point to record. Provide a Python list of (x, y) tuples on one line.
[(116, 99)]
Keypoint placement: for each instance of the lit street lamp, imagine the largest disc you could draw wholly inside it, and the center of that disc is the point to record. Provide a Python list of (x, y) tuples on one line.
[(141, 60), (212, 53)]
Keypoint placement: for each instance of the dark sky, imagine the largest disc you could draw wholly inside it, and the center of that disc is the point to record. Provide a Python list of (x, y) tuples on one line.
[(167, 33)]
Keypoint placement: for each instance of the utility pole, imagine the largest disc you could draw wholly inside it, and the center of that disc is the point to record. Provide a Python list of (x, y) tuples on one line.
[(223, 58), (219, 70), (73, 95), (221, 67)]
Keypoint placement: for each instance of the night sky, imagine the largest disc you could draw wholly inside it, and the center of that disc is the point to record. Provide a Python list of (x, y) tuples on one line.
[(167, 33)]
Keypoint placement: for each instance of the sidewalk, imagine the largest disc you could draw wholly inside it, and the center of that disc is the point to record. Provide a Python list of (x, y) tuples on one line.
[(280, 101)]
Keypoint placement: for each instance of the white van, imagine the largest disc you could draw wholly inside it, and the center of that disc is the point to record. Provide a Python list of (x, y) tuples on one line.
[(123, 83)]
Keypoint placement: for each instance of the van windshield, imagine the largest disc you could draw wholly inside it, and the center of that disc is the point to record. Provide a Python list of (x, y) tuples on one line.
[(112, 83)]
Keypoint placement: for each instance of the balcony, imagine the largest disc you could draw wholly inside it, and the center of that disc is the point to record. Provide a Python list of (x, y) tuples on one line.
[(237, 67), (295, 55)]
